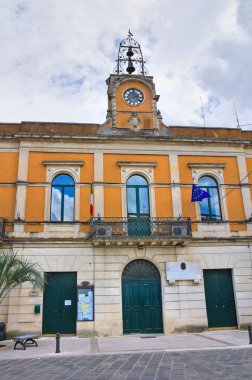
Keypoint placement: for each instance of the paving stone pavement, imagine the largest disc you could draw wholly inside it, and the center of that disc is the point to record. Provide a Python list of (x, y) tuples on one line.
[(214, 364), (211, 355)]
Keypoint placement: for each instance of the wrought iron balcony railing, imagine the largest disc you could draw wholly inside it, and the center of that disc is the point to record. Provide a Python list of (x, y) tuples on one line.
[(147, 228)]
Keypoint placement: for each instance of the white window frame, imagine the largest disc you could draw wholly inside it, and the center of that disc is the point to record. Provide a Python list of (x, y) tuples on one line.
[(216, 172), (53, 169)]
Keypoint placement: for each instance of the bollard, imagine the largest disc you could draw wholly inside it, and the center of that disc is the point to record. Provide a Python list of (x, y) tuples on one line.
[(57, 343), (250, 334)]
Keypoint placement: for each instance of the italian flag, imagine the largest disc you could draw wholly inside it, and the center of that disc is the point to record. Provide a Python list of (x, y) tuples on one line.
[(91, 201)]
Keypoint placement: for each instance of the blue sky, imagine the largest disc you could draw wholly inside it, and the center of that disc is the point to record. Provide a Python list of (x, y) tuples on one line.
[(56, 56)]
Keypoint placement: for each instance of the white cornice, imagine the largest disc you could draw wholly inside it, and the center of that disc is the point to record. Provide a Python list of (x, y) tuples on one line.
[(63, 163), (136, 163), (205, 165)]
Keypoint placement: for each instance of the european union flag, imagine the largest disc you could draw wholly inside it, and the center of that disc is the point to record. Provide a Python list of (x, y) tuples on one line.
[(198, 194)]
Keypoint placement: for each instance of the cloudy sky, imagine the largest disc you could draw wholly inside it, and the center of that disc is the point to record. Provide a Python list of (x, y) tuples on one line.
[(56, 55)]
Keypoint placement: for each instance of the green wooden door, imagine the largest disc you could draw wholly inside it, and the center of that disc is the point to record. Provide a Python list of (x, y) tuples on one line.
[(60, 303), (220, 301), (138, 206), (141, 296)]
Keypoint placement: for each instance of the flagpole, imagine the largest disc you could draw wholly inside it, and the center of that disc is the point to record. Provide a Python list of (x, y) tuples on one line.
[(191, 203), (198, 195), (91, 201), (190, 211)]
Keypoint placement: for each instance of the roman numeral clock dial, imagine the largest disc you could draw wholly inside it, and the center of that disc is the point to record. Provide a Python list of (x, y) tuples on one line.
[(133, 97)]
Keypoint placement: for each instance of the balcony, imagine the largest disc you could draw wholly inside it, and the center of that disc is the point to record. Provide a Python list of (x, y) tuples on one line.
[(140, 232)]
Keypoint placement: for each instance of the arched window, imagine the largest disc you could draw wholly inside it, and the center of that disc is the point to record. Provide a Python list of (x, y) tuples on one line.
[(137, 196), (210, 207), (138, 208), (62, 200)]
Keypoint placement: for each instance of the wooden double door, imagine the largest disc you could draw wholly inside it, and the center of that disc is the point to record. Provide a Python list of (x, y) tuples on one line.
[(141, 297)]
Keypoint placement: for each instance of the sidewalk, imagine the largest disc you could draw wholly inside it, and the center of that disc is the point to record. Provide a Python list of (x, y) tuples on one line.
[(70, 346)]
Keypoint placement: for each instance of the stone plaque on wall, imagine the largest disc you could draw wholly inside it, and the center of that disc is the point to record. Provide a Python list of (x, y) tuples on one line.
[(183, 270)]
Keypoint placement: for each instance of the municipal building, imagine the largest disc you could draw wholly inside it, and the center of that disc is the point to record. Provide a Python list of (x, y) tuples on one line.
[(106, 210)]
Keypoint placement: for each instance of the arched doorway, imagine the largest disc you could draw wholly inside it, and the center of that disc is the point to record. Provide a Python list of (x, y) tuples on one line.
[(141, 298), (138, 209)]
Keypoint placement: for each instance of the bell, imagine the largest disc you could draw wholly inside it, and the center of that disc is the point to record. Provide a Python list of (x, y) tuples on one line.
[(130, 69), (130, 52)]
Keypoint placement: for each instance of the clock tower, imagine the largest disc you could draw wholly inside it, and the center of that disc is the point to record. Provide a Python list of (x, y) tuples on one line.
[(132, 98)]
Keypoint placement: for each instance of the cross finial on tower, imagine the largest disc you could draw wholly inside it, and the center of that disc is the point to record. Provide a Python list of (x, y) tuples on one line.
[(130, 34)]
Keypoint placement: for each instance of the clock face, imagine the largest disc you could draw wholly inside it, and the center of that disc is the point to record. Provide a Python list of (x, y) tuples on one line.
[(133, 97)]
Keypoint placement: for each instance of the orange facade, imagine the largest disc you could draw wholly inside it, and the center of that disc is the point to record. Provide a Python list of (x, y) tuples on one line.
[(230, 171), (35, 203), (7, 202), (8, 167), (35, 192), (112, 202), (249, 169), (112, 172), (163, 199), (37, 170), (8, 178)]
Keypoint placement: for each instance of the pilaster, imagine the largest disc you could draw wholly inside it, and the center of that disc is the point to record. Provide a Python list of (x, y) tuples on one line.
[(21, 188), (243, 174), (175, 185)]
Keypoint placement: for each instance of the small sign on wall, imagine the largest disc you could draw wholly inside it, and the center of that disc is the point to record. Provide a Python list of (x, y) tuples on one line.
[(68, 302), (184, 270)]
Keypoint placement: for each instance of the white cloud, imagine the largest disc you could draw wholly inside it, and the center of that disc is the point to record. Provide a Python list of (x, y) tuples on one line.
[(55, 57)]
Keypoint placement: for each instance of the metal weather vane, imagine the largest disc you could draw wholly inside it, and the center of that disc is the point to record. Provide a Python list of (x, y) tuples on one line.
[(130, 55)]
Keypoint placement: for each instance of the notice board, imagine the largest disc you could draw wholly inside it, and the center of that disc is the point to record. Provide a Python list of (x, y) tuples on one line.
[(85, 306)]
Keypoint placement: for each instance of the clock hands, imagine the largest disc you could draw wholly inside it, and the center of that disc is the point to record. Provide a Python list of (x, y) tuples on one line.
[(134, 97)]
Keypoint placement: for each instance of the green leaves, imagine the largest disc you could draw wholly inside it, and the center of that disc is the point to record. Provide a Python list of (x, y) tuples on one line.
[(15, 270)]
